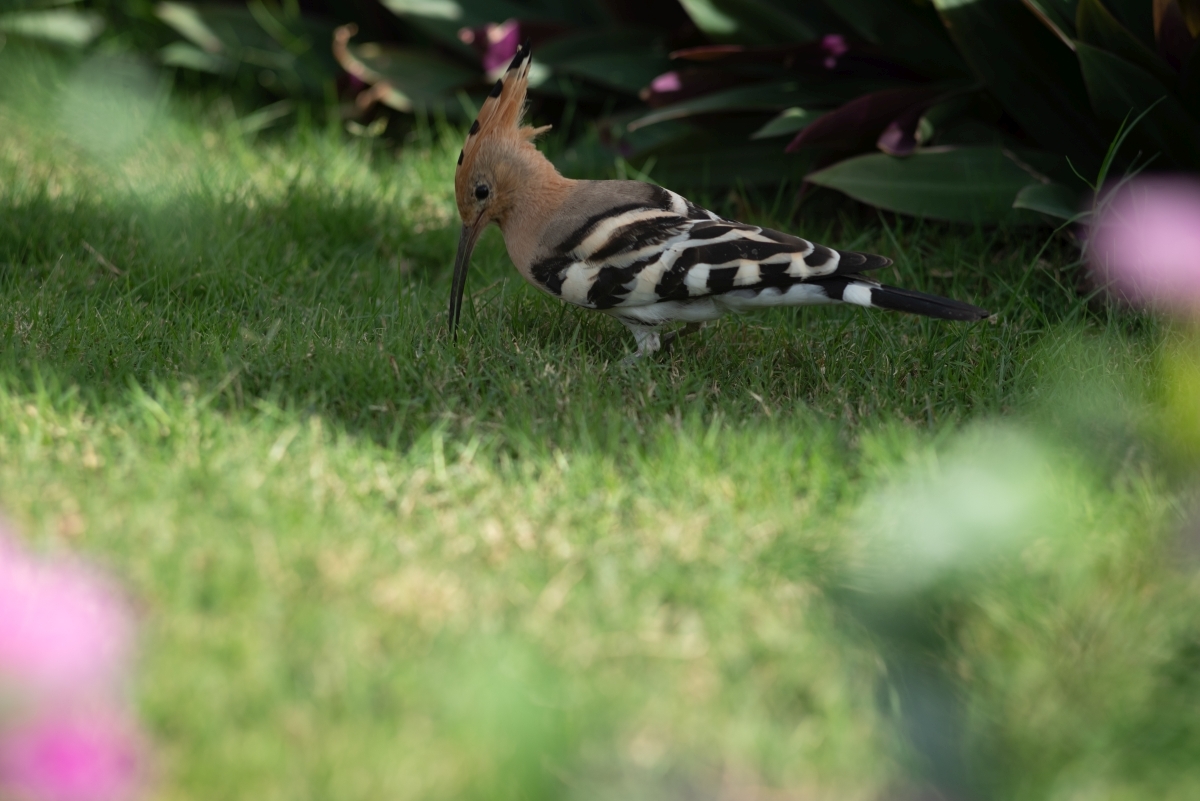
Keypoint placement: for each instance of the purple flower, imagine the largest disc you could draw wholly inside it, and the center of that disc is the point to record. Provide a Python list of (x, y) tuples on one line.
[(667, 82), (496, 42), (63, 627), (1146, 241), (834, 44), (75, 757)]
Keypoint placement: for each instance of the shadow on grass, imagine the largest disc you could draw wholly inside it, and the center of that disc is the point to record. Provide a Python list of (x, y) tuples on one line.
[(332, 302)]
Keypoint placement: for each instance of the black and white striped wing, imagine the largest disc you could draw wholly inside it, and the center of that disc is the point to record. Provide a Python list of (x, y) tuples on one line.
[(672, 250)]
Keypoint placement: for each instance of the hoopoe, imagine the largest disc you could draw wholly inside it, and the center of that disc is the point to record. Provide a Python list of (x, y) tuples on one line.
[(639, 252)]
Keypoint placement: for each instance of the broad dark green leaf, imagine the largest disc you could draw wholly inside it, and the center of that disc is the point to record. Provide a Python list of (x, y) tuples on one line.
[(463, 12), (1189, 82), (625, 60), (63, 26), (772, 96), (1031, 72), (1057, 15), (910, 33), (417, 77), (441, 20), (748, 21), (1097, 26), (719, 163), (293, 54), (187, 21), (1051, 199), (787, 122), (969, 184), (622, 72), (188, 56), (1119, 90), (1137, 16)]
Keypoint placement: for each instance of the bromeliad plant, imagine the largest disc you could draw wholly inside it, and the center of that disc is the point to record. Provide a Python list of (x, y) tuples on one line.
[(983, 110), (963, 110)]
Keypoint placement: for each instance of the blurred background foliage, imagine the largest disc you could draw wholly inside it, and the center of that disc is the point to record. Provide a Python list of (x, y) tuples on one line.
[(970, 111)]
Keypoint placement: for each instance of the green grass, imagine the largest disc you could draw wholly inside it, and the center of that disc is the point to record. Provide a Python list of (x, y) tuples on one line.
[(371, 562)]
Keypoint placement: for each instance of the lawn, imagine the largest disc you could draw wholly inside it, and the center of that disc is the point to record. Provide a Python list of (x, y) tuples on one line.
[(372, 562)]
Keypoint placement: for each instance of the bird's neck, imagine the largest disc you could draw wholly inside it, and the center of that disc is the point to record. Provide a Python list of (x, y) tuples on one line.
[(541, 193)]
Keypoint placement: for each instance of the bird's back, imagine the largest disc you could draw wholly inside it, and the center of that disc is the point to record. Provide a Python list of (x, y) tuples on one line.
[(621, 245)]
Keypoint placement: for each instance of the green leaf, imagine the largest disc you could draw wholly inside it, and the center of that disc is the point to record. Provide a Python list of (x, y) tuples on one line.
[(1031, 72), (747, 21), (969, 184), (910, 33), (188, 22), (292, 53), (441, 20), (182, 54), (769, 96), (789, 121), (624, 60), (1097, 26), (718, 163), (417, 77), (1057, 15), (1119, 89), (1137, 16), (64, 26), (462, 12), (433, 9), (757, 97), (1051, 199), (1189, 82)]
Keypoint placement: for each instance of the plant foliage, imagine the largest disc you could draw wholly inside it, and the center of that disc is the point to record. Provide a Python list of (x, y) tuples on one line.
[(962, 110)]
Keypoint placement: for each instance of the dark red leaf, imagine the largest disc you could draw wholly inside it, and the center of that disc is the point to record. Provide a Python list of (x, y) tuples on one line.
[(679, 85), (1175, 40), (832, 55), (859, 123)]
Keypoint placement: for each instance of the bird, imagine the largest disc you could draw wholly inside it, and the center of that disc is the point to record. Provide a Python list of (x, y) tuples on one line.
[(639, 252)]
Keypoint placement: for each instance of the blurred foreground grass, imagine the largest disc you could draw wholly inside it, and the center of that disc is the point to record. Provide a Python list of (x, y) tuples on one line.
[(372, 563)]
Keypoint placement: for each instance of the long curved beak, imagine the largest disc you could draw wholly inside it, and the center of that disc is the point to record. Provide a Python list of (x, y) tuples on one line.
[(462, 261)]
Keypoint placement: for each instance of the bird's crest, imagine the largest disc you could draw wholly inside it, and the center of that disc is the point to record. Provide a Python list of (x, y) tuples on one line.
[(500, 115)]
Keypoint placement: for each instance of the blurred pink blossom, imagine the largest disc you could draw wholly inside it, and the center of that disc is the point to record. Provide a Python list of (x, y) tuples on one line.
[(835, 45), (496, 42), (81, 757), (1146, 241), (667, 82), (63, 628)]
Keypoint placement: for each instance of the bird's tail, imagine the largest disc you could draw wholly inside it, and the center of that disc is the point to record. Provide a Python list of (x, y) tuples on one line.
[(863, 291), (906, 300)]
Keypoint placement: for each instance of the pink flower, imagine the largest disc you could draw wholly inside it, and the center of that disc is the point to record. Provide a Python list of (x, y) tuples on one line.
[(497, 42), (71, 758), (667, 82), (835, 45), (1146, 241), (62, 627)]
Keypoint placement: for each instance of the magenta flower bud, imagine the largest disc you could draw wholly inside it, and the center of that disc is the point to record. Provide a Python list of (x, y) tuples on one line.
[(834, 44), (1146, 242), (667, 82), (76, 757)]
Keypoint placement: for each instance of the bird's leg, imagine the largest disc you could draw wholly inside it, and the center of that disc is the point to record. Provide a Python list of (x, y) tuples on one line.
[(679, 333), (647, 339)]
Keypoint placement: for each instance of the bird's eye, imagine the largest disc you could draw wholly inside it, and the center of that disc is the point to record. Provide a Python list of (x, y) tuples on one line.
[(481, 192)]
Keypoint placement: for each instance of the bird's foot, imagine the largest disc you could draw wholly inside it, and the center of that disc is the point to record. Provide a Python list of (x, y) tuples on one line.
[(649, 341)]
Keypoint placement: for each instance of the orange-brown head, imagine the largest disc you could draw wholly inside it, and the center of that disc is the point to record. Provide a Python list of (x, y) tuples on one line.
[(497, 162)]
